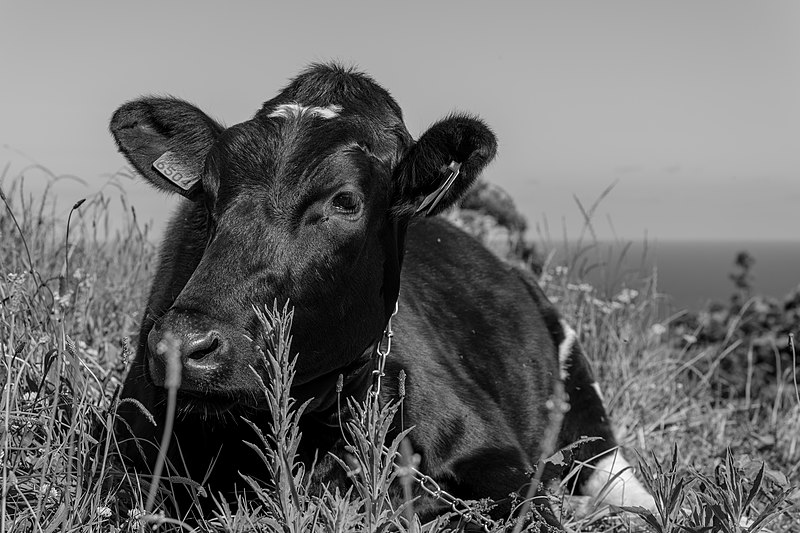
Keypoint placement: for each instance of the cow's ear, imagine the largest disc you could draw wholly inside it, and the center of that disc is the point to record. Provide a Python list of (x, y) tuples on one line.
[(167, 141), (442, 165)]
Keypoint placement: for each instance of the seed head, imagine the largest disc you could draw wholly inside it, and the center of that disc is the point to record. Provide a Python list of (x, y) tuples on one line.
[(170, 346), (401, 384)]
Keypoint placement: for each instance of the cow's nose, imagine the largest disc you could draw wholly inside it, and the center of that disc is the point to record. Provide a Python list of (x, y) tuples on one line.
[(199, 346), (197, 349)]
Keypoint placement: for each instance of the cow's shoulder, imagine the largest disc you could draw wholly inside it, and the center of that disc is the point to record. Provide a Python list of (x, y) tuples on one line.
[(458, 297), (441, 259), (454, 290), (442, 249)]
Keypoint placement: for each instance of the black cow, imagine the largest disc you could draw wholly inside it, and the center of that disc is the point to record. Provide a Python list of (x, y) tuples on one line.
[(319, 200)]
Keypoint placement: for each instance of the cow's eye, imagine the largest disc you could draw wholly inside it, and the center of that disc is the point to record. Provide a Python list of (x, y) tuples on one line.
[(346, 203)]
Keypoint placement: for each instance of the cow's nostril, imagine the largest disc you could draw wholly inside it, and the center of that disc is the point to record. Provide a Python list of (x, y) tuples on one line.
[(204, 347)]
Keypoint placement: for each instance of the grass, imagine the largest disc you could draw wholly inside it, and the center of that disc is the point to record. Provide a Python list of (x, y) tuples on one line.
[(70, 303)]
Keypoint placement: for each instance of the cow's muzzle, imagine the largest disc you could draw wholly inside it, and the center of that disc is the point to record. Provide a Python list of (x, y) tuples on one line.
[(210, 356)]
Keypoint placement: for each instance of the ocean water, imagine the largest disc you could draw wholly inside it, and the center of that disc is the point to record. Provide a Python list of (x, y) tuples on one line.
[(690, 273)]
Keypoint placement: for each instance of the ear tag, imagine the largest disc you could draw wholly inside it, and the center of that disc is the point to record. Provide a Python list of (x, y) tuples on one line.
[(169, 166), (432, 200)]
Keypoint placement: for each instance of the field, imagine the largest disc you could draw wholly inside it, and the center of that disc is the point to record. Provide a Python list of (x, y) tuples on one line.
[(709, 401)]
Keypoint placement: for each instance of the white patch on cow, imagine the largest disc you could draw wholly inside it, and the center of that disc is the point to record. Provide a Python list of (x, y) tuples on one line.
[(614, 482), (596, 387), (295, 111), (565, 349)]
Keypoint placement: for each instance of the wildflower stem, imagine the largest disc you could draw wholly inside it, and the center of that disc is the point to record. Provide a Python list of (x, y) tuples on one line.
[(557, 406), (19, 229), (406, 479), (169, 345), (794, 367), (75, 207)]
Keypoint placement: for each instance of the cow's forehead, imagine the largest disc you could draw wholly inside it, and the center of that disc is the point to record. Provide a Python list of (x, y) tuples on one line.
[(325, 85), (333, 92), (298, 135), (287, 156), (291, 133), (296, 111), (321, 112)]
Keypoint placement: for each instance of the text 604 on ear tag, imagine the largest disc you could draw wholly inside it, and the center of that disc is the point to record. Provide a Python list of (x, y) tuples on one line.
[(169, 166)]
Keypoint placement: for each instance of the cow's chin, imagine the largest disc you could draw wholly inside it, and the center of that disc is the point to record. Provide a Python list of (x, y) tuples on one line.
[(213, 401), (226, 408)]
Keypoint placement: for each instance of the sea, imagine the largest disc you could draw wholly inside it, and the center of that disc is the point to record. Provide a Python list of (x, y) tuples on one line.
[(690, 274)]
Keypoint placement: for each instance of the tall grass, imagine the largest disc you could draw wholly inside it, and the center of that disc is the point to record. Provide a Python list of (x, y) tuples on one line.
[(69, 307)]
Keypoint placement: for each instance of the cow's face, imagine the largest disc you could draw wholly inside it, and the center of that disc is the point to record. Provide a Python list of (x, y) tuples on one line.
[(304, 203)]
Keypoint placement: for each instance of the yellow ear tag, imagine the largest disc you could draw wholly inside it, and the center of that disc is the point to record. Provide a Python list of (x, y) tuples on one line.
[(169, 166)]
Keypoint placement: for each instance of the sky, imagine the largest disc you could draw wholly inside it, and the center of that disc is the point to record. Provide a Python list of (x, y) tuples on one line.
[(690, 109)]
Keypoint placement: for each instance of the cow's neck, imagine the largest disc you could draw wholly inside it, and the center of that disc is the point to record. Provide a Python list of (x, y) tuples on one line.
[(331, 391), (395, 244)]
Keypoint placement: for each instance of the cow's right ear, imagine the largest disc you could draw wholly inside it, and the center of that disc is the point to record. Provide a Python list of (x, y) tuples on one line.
[(167, 141)]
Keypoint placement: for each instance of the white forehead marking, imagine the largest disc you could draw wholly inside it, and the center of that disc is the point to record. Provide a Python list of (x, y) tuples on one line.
[(565, 349), (295, 110)]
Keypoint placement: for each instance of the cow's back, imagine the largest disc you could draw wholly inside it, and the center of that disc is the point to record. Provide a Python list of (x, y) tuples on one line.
[(472, 336)]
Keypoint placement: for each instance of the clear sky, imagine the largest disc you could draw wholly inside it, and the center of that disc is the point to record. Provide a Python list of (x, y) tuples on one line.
[(693, 107)]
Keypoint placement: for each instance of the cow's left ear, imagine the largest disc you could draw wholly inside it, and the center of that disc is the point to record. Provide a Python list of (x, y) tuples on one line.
[(442, 165)]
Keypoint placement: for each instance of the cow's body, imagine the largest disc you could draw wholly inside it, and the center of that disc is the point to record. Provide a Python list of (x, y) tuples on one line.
[(481, 346)]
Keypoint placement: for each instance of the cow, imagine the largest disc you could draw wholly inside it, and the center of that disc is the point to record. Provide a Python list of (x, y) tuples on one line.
[(324, 200)]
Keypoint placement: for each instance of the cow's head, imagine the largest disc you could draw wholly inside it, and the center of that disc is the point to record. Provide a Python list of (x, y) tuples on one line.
[(305, 202)]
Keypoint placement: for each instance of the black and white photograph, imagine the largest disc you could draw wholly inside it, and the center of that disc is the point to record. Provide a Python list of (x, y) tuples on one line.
[(400, 267)]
